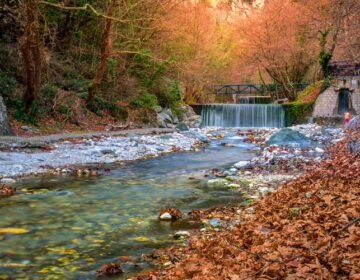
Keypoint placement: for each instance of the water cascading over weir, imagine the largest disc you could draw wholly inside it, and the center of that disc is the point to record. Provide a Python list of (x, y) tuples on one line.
[(243, 115)]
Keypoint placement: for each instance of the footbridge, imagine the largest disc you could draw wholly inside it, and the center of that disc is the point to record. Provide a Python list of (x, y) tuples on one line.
[(251, 89)]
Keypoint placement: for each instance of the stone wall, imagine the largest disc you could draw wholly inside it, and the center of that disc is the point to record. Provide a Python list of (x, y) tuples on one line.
[(327, 103), (5, 128)]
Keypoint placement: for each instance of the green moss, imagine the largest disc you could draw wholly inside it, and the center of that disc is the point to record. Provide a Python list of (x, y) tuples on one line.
[(309, 90)]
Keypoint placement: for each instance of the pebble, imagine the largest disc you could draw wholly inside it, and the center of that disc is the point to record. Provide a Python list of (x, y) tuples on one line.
[(181, 234), (165, 217)]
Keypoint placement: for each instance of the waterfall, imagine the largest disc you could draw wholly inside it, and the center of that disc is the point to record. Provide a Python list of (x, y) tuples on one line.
[(243, 115), (252, 99)]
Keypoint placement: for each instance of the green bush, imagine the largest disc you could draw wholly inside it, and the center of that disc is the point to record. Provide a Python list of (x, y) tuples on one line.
[(115, 110), (295, 112)]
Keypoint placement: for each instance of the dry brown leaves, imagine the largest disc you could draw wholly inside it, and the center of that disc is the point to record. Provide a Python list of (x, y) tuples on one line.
[(312, 231), (109, 269), (7, 190)]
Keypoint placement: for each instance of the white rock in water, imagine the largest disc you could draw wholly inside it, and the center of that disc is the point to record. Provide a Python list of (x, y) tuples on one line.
[(8, 180), (319, 150), (165, 216), (180, 234), (242, 164)]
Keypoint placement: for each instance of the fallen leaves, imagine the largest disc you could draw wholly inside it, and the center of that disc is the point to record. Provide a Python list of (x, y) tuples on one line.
[(7, 190), (308, 229), (109, 269)]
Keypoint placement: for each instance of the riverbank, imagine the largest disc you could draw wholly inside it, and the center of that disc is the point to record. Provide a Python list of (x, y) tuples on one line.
[(24, 156), (21, 156), (307, 229)]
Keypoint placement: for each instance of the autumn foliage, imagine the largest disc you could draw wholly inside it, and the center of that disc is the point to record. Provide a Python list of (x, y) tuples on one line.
[(308, 229)]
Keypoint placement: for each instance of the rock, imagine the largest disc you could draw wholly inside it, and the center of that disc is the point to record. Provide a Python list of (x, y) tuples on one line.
[(160, 122), (227, 145), (214, 223), (189, 111), (175, 119), (8, 180), (286, 135), (89, 143), (182, 127), (216, 182), (5, 128), (165, 217), (319, 150), (157, 109), (233, 185), (167, 116), (170, 125), (166, 137), (194, 118), (181, 234), (169, 213), (25, 128), (204, 139), (108, 152), (242, 164)]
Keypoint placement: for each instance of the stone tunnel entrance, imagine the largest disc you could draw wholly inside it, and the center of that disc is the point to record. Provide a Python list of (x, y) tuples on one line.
[(343, 101)]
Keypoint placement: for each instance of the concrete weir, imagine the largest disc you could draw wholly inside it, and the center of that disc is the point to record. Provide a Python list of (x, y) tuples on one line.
[(343, 95)]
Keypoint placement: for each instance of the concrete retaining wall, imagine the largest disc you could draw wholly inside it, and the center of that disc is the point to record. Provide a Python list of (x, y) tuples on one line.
[(327, 103)]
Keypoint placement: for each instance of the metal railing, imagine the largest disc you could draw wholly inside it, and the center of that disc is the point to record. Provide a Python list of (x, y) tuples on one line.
[(251, 88)]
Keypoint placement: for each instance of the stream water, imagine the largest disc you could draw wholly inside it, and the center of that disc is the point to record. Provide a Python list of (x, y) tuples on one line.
[(71, 226)]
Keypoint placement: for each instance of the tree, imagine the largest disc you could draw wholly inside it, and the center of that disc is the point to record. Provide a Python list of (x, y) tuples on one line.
[(275, 39), (329, 22), (32, 53), (106, 47)]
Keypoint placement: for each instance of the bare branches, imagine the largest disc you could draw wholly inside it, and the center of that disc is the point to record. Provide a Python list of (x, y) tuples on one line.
[(83, 8)]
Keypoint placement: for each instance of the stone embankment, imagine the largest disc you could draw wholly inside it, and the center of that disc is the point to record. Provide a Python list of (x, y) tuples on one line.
[(25, 156)]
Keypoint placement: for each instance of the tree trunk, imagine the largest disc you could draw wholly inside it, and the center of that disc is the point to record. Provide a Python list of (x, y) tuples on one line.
[(31, 51), (106, 47), (5, 128)]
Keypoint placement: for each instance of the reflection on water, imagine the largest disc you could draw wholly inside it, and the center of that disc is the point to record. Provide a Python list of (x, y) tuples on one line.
[(77, 224)]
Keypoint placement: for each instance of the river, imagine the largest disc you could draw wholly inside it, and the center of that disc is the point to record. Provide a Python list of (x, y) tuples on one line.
[(68, 227)]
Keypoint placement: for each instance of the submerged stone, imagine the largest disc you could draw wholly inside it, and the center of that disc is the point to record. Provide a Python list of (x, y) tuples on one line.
[(286, 135), (216, 182), (166, 137)]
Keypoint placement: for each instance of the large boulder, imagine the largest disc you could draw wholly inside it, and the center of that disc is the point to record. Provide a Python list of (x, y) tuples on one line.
[(286, 135), (5, 128)]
